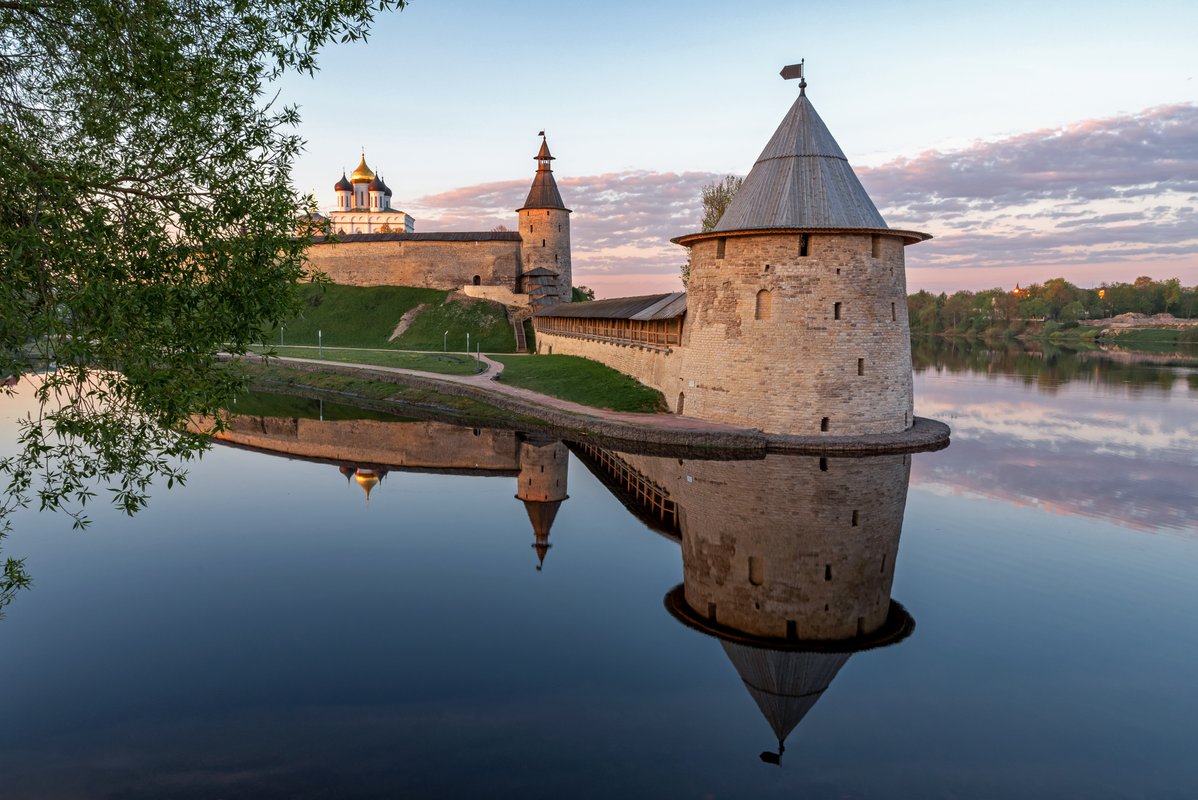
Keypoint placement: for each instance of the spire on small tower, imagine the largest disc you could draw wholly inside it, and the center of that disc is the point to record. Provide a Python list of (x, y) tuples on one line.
[(544, 193), (543, 156)]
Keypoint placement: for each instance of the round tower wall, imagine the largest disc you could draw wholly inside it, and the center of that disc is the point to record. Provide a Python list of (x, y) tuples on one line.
[(799, 344), (546, 243), (792, 547)]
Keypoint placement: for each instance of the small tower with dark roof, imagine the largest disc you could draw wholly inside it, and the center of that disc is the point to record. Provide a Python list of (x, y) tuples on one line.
[(797, 300), (545, 227)]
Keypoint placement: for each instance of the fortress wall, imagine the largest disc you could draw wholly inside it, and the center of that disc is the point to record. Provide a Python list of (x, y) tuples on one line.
[(655, 368), (430, 445), (771, 542), (498, 294), (798, 364), (426, 264)]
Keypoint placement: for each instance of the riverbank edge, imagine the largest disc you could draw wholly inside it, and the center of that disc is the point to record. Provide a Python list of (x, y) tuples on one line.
[(924, 435)]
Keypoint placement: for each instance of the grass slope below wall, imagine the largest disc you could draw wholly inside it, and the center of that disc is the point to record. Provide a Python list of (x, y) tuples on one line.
[(366, 316), (580, 380)]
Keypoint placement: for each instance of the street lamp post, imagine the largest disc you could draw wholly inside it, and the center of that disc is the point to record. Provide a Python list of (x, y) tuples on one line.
[(445, 342)]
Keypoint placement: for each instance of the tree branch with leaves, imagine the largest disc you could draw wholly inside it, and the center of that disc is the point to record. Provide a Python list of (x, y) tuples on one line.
[(147, 221)]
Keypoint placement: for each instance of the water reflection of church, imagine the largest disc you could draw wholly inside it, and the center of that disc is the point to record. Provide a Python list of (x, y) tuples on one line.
[(787, 561), (366, 451)]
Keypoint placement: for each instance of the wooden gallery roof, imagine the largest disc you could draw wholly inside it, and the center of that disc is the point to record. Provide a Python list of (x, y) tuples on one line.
[(645, 308)]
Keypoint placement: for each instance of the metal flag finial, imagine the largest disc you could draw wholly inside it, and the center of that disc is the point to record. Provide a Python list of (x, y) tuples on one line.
[(540, 133), (792, 71)]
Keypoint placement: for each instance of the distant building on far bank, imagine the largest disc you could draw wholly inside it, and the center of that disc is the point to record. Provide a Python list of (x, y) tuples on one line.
[(364, 205)]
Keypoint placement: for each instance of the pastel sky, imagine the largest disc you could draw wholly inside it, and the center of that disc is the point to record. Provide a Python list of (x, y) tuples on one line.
[(1031, 139)]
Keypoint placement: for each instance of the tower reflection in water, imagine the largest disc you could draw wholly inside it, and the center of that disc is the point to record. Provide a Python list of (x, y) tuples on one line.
[(787, 561)]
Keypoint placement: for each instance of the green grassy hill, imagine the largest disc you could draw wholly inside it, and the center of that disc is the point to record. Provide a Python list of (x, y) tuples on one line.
[(366, 316), (581, 381)]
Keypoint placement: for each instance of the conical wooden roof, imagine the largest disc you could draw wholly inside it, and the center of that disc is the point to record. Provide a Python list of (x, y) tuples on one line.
[(543, 193), (785, 685), (801, 180)]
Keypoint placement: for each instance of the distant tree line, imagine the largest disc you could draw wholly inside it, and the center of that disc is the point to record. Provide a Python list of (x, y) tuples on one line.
[(1056, 300), (1044, 365)]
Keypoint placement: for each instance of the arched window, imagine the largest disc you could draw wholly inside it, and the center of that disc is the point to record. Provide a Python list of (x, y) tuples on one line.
[(478, 280), (765, 305), (681, 402)]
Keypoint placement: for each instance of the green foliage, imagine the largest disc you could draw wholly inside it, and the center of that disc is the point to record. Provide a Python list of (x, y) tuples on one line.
[(716, 197), (581, 294), (444, 363), (993, 312), (580, 380), (146, 221)]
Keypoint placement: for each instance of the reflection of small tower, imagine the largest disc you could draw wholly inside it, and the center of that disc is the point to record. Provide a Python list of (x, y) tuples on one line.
[(542, 487), (545, 232)]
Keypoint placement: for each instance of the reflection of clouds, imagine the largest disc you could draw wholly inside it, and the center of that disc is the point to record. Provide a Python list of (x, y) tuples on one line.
[(1131, 460)]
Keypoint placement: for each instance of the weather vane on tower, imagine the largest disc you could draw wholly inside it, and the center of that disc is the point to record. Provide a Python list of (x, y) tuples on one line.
[(793, 71)]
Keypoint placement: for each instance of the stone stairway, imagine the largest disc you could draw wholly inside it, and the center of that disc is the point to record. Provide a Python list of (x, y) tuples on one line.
[(518, 317)]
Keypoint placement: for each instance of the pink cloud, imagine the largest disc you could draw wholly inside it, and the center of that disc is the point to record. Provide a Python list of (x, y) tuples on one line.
[(1119, 190)]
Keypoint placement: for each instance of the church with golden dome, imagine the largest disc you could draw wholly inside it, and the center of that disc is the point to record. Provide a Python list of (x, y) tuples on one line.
[(364, 205)]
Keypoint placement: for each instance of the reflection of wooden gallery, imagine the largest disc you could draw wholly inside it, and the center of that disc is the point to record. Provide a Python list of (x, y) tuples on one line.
[(788, 561)]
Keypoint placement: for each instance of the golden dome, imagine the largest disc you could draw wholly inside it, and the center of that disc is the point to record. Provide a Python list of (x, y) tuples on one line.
[(367, 479), (363, 173)]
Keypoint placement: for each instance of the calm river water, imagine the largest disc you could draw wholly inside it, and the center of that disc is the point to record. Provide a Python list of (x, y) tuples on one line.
[(508, 616)]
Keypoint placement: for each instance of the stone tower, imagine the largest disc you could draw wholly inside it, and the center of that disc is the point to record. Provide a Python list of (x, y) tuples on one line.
[(545, 227), (542, 487), (797, 301)]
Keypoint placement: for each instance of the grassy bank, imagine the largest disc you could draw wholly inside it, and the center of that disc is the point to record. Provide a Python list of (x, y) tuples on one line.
[(444, 363), (581, 381), (367, 316)]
